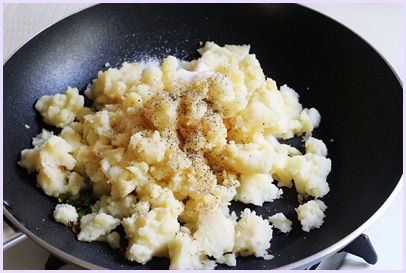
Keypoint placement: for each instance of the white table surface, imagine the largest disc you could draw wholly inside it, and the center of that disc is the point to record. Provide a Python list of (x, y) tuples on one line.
[(379, 24)]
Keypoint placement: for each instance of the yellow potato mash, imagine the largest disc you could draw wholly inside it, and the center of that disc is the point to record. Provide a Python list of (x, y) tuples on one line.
[(165, 148)]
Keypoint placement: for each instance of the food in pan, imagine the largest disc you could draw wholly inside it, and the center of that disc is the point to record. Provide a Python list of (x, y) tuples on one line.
[(164, 150)]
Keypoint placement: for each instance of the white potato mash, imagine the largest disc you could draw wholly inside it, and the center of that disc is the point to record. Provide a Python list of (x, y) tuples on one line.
[(166, 147)]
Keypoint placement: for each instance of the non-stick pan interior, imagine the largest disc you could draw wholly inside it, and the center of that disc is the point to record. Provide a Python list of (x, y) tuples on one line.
[(333, 70)]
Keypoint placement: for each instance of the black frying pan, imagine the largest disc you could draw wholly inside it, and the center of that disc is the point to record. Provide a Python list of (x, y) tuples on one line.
[(356, 92)]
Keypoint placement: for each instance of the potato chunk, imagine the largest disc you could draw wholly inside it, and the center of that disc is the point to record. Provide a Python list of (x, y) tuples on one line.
[(60, 110)]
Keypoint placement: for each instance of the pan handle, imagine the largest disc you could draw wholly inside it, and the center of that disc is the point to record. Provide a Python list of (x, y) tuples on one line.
[(11, 235), (362, 248)]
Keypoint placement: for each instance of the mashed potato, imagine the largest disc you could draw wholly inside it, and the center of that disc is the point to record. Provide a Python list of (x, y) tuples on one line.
[(311, 214), (65, 214), (166, 148), (280, 222)]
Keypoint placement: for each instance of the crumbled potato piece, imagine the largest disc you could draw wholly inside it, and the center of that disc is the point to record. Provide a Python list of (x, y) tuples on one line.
[(257, 189), (95, 225), (252, 235), (65, 214), (214, 232), (149, 234), (315, 146), (60, 110), (280, 222), (54, 163), (185, 253), (311, 214), (118, 208)]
